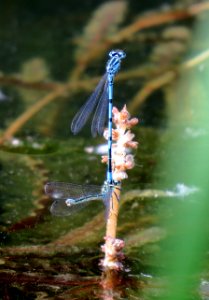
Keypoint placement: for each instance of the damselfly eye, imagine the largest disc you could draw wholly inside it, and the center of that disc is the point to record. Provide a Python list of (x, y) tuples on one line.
[(117, 53)]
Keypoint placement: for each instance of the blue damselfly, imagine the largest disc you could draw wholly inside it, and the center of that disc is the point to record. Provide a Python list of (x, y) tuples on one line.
[(69, 197), (103, 98)]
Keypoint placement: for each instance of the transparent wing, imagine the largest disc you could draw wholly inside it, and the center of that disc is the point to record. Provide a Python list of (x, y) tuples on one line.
[(100, 115), (60, 208), (83, 114), (63, 190), (106, 200)]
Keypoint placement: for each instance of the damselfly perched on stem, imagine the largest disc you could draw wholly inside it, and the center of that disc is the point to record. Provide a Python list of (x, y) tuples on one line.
[(103, 98)]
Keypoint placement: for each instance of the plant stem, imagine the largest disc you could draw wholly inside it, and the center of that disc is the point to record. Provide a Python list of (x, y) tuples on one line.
[(112, 219)]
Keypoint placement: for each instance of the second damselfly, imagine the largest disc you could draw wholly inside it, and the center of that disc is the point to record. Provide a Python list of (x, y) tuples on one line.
[(70, 198)]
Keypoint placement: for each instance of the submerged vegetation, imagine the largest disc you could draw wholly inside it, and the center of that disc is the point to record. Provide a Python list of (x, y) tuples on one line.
[(163, 207)]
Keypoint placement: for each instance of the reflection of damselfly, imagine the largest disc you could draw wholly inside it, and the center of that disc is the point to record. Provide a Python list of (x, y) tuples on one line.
[(69, 197)]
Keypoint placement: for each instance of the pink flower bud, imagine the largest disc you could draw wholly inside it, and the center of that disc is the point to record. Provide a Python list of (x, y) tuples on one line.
[(124, 113), (104, 159), (134, 121), (131, 144), (115, 110), (118, 176), (129, 161), (122, 140), (115, 134)]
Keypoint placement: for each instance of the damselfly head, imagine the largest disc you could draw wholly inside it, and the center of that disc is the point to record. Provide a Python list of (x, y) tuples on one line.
[(117, 53)]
